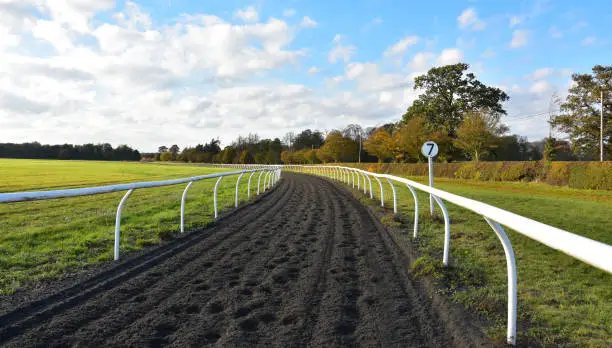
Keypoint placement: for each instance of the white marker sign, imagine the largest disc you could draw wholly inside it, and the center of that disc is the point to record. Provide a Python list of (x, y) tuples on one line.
[(429, 149)]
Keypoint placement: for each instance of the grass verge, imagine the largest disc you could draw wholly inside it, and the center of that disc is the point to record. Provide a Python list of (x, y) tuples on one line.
[(561, 301), (42, 240)]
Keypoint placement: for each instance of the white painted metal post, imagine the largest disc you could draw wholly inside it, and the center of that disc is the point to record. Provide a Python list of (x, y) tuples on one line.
[(183, 206), (353, 177), (511, 267), (370, 182), (215, 195), (394, 196), (431, 183), (446, 230), (358, 181), (265, 181), (249, 186), (365, 188), (259, 181), (118, 222), (382, 192), (416, 211), (237, 183)]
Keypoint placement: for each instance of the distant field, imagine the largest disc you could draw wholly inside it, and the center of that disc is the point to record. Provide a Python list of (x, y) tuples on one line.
[(47, 239), (562, 301)]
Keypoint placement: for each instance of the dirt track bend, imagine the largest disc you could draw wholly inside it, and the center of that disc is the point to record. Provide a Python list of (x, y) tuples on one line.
[(308, 265)]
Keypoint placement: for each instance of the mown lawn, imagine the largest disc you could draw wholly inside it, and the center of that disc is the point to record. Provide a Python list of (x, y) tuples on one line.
[(562, 301), (48, 239)]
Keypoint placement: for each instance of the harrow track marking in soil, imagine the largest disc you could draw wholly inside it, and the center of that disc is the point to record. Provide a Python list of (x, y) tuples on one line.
[(307, 266), (210, 262)]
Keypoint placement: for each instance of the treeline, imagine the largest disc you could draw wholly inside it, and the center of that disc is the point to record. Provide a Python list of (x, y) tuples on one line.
[(250, 149), (100, 152)]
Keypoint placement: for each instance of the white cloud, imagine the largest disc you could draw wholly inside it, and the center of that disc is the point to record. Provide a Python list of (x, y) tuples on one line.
[(540, 87), (469, 19), (401, 46), (314, 70), (450, 56), (519, 38), (540, 74), (515, 20), (289, 12), (121, 77), (308, 22), (248, 14), (589, 40), (421, 62), (340, 51)]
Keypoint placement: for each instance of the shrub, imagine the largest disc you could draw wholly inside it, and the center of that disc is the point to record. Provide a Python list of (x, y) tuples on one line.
[(582, 175)]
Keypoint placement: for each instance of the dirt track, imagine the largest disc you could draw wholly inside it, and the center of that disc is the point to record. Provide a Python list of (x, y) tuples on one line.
[(308, 265)]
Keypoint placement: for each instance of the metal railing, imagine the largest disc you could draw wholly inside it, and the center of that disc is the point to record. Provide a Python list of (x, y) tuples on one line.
[(272, 175), (584, 249)]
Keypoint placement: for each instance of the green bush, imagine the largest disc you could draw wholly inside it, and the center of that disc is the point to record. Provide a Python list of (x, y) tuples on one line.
[(582, 175), (591, 175)]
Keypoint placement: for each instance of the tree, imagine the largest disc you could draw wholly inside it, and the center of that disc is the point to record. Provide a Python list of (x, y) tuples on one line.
[(228, 155), (380, 144), (449, 93), (246, 157), (165, 156), (174, 150), (580, 114), (355, 132), (288, 139), (411, 136), (308, 139), (162, 149), (476, 135), (311, 156), (338, 148), (212, 147)]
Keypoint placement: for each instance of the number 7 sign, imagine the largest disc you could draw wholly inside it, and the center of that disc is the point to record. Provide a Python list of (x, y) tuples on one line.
[(429, 149)]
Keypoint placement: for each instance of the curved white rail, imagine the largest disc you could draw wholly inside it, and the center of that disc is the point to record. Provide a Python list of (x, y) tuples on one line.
[(54, 194), (587, 250)]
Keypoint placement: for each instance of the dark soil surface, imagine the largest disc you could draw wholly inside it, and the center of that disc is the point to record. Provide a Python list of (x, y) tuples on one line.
[(307, 265)]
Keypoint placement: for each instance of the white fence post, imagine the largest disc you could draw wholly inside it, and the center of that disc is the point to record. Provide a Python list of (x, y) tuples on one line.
[(118, 222), (259, 180), (237, 183), (370, 182), (511, 267), (416, 211), (183, 206), (446, 229), (394, 196), (215, 195), (249, 186), (382, 192)]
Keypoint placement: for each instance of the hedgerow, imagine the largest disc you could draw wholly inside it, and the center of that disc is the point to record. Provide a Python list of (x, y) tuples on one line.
[(582, 175)]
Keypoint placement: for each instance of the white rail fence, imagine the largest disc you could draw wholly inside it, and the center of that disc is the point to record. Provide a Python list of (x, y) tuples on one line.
[(587, 250), (271, 177)]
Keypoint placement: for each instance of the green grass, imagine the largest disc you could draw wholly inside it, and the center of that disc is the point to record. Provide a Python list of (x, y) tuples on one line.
[(48, 239), (561, 301)]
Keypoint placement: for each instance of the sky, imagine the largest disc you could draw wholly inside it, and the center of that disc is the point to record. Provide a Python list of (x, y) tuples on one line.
[(161, 72)]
